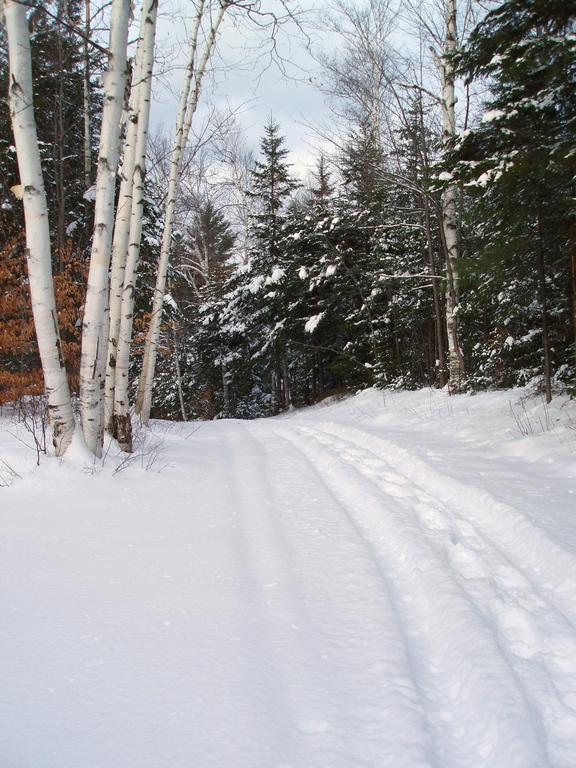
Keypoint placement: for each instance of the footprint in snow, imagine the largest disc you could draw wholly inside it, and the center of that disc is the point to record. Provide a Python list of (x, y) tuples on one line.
[(519, 629)]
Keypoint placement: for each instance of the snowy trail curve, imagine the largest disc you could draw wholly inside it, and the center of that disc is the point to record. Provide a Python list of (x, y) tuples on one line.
[(507, 662), (305, 592)]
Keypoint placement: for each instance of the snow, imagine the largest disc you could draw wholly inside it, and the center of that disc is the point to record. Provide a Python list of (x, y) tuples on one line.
[(313, 322), (493, 114), (90, 193), (277, 275), (256, 283), (169, 300), (384, 580)]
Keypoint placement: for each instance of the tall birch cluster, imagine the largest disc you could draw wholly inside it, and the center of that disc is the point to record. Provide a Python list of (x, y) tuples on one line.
[(115, 251)]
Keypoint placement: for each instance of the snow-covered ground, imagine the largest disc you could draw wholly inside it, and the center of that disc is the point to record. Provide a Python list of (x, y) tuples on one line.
[(388, 581)]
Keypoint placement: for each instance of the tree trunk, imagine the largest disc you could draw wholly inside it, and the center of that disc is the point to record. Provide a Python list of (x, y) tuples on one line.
[(546, 366), (37, 228), (175, 168), (140, 84), (178, 373), (440, 369), (122, 422), (275, 389), (94, 328), (320, 379), (450, 216), (286, 382), (225, 391), (188, 103)]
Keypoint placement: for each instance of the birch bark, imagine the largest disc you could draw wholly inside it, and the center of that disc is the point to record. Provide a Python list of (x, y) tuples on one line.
[(121, 415), (188, 103), (94, 327), (450, 224), (122, 222), (37, 229)]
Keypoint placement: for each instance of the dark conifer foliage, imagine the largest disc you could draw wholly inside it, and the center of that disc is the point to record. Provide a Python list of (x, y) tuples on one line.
[(519, 167), (58, 71)]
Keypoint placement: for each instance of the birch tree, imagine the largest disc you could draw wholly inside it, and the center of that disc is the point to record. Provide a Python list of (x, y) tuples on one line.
[(120, 240), (121, 417), (94, 329), (450, 212), (37, 229), (438, 21), (189, 97)]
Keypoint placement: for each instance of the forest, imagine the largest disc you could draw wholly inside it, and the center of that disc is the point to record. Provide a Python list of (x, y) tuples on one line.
[(432, 241), (288, 384)]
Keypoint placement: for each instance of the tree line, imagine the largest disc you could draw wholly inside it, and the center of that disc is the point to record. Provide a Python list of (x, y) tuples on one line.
[(432, 245)]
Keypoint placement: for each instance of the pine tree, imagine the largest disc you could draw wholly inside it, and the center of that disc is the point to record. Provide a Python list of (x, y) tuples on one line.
[(272, 184), (520, 165), (322, 188), (57, 64)]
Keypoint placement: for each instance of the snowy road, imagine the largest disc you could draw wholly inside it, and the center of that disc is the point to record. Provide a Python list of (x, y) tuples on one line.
[(383, 585)]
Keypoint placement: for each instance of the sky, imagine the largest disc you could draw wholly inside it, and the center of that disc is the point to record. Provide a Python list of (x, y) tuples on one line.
[(244, 78)]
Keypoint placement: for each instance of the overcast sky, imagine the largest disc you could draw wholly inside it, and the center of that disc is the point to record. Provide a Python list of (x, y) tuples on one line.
[(244, 78)]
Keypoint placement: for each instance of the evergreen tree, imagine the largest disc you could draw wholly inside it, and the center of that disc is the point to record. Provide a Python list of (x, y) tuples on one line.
[(256, 291), (520, 165), (322, 188), (272, 184), (57, 61)]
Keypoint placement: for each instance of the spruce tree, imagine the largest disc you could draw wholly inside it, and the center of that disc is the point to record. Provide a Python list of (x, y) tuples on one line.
[(272, 184), (520, 165)]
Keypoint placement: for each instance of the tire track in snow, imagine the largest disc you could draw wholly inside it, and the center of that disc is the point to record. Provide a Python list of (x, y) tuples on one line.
[(544, 561), (332, 649), (536, 637), (479, 711)]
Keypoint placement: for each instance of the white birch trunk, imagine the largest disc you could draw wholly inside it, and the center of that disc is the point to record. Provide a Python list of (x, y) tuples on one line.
[(175, 169), (94, 327), (450, 224), (37, 230), (188, 104), (122, 222), (121, 415)]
